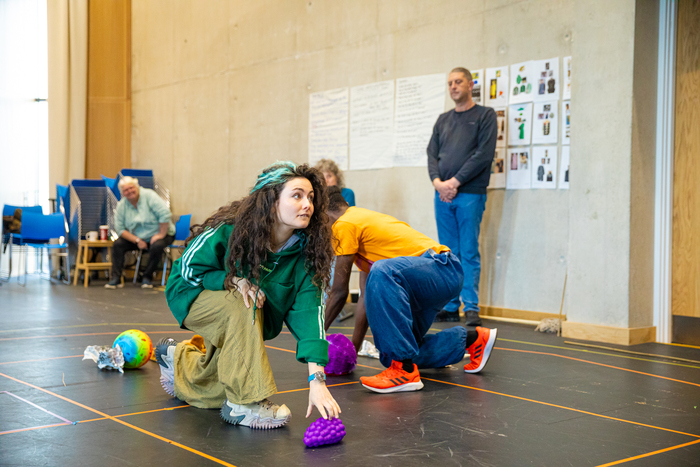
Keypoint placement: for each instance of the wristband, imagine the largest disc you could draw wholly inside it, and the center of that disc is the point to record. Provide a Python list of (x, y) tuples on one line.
[(137, 240), (319, 376)]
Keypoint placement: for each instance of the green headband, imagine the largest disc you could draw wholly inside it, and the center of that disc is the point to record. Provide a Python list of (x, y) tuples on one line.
[(275, 174)]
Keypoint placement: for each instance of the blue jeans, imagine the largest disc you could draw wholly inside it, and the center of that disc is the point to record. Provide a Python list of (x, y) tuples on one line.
[(403, 295), (458, 226)]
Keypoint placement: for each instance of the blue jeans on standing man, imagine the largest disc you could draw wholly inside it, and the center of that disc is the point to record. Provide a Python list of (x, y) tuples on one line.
[(458, 226), (402, 297)]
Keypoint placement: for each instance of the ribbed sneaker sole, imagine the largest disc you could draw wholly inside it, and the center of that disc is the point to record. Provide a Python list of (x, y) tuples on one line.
[(252, 421), (400, 388), (168, 386), (167, 372)]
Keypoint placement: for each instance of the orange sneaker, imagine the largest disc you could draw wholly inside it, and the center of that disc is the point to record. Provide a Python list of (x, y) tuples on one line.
[(480, 351), (394, 379)]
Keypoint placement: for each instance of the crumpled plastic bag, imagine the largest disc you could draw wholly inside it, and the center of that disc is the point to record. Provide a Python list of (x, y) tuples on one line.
[(368, 350), (111, 358)]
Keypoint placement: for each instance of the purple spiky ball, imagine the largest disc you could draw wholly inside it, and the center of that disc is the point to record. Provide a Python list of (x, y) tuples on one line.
[(342, 357), (324, 431)]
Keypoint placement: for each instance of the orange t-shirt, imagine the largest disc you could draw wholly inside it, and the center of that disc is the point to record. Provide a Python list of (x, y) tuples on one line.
[(372, 236)]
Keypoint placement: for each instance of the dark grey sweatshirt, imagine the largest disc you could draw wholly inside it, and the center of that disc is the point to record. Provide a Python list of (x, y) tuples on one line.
[(462, 146)]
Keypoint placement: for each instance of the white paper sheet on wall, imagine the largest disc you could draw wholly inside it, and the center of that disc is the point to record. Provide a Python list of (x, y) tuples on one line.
[(546, 76), (518, 168), (565, 122), (545, 127), (496, 86), (519, 124), (419, 102), (498, 169), (544, 167), (522, 82), (564, 168), (566, 79), (372, 126), (328, 127), (478, 89), (502, 122)]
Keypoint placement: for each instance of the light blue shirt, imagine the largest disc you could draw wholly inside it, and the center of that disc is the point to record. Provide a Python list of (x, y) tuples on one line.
[(143, 220)]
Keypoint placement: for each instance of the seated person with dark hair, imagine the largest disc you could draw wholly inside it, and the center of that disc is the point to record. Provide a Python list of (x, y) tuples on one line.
[(409, 278), (142, 220)]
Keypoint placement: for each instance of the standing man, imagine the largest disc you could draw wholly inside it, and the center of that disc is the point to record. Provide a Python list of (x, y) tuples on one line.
[(460, 154)]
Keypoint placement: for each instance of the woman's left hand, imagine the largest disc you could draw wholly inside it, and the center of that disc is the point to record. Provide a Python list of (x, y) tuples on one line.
[(320, 396)]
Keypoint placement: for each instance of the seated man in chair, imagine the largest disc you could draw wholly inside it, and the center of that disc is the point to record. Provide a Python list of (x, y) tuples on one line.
[(142, 220)]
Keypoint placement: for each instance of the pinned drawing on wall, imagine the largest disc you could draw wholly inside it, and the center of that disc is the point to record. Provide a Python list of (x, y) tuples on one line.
[(519, 124), (522, 82), (545, 127), (328, 127), (564, 168), (518, 169), (496, 85), (478, 89), (565, 122), (544, 167), (501, 121), (566, 92), (546, 73), (372, 126), (498, 170)]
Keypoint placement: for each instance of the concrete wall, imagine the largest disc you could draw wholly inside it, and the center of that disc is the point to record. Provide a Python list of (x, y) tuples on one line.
[(220, 89)]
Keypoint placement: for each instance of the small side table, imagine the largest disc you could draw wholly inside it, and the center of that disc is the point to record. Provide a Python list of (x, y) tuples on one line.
[(82, 259)]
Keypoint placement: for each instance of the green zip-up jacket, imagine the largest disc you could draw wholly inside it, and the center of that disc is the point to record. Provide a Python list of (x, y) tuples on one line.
[(291, 297)]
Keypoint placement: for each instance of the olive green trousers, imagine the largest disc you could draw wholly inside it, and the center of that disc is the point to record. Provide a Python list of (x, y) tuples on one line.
[(235, 365)]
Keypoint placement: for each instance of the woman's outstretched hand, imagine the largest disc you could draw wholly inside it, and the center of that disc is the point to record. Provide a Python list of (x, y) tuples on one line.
[(320, 396)]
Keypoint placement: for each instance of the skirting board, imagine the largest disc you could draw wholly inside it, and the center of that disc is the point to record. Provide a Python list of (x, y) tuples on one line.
[(608, 334), (498, 312)]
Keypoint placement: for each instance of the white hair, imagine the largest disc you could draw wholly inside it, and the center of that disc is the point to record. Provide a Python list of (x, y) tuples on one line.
[(124, 181)]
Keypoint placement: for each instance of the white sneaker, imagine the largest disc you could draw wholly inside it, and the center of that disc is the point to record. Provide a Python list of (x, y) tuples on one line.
[(368, 350), (262, 415), (165, 356)]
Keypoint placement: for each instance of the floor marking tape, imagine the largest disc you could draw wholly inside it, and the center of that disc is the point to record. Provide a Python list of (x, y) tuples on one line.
[(122, 422), (649, 454)]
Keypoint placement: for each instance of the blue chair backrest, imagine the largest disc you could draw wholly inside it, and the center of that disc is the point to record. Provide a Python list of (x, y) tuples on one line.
[(182, 227), (63, 199), (42, 227), (9, 210), (113, 184)]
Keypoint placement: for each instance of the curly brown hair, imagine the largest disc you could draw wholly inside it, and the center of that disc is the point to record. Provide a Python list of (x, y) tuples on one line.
[(253, 218)]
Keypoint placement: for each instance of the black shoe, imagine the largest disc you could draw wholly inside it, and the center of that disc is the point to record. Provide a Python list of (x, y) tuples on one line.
[(445, 316), (472, 318), (146, 283), (115, 283)]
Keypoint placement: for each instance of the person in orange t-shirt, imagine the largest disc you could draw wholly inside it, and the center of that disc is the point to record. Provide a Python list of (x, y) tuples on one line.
[(408, 277)]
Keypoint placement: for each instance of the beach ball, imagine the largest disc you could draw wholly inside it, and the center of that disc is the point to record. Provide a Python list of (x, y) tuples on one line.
[(136, 347)]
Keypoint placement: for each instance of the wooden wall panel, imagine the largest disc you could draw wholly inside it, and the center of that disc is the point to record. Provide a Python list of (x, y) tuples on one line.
[(686, 186), (109, 88)]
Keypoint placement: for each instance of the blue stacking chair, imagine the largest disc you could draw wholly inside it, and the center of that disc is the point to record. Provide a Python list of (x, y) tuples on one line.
[(37, 232), (182, 231), (15, 239)]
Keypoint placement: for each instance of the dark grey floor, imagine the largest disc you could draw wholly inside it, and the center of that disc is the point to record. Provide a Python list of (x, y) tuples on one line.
[(539, 401)]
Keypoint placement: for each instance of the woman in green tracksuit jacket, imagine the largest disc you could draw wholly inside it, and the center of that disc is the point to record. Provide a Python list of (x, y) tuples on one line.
[(251, 267)]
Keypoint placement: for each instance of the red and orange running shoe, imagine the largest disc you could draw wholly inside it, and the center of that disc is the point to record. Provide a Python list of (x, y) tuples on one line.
[(480, 350), (394, 379)]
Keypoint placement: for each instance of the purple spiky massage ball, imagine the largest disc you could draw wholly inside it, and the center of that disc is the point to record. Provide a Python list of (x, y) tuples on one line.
[(324, 431), (342, 357)]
